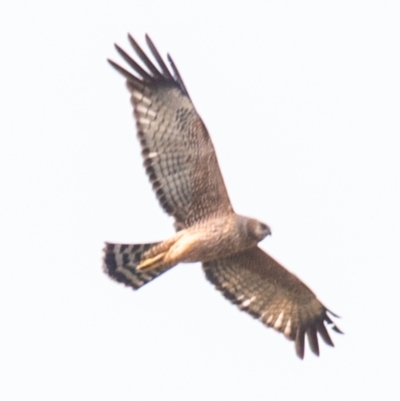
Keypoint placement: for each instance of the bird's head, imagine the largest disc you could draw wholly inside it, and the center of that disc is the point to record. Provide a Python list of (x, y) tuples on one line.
[(257, 229)]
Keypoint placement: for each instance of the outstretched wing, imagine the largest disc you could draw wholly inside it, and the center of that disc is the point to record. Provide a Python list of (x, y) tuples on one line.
[(178, 153), (259, 285)]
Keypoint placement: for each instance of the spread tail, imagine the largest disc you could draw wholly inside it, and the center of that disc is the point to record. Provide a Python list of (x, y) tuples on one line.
[(120, 262)]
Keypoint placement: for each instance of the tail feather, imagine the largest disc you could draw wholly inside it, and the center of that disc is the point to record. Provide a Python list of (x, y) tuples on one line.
[(121, 260)]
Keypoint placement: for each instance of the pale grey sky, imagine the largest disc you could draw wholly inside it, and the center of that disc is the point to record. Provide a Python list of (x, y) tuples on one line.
[(302, 102)]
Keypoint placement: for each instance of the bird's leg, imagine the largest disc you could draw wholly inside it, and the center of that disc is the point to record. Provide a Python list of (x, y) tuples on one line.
[(151, 263), (159, 255)]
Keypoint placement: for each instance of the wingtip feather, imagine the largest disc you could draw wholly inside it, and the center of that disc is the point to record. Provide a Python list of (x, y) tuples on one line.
[(299, 343), (178, 77), (313, 340), (323, 332), (166, 73)]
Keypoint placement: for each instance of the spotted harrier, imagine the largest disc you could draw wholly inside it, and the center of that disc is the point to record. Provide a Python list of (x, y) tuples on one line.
[(180, 161)]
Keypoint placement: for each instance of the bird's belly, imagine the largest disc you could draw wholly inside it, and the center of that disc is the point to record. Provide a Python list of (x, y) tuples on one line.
[(206, 246)]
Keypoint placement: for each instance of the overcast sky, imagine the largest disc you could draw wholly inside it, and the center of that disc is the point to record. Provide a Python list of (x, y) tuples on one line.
[(301, 99)]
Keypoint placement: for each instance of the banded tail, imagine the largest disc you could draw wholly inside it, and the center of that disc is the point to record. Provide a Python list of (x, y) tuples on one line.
[(121, 260)]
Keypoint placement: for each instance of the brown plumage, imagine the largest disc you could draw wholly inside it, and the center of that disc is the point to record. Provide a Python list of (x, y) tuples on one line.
[(182, 166)]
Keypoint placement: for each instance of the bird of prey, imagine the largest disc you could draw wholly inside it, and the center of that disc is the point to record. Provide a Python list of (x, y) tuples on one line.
[(180, 161)]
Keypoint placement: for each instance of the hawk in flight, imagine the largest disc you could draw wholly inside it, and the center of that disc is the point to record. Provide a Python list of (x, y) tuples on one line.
[(182, 166)]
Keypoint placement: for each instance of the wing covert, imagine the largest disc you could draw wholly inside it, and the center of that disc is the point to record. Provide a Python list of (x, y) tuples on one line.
[(178, 154), (259, 285)]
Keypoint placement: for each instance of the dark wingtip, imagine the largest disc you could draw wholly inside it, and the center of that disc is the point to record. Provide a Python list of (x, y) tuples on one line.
[(313, 340), (131, 78), (136, 67), (299, 343), (330, 321), (178, 77), (333, 314), (300, 353), (323, 332), (130, 37), (157, 71), (153, 49), (115, 65), (142, 55), (335, 328)]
